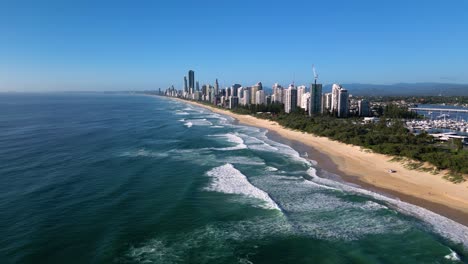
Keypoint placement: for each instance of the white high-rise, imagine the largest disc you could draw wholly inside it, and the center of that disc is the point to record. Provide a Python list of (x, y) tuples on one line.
[(305, 101), (246, 97), (277, 96), (260, 97), (335, 95), (290, 99), (301, 90)]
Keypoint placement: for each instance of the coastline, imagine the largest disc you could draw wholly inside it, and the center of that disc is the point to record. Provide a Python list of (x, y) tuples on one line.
[(368, 170)]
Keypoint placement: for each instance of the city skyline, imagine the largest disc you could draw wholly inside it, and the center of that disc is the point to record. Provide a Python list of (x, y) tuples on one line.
[(123, 46)]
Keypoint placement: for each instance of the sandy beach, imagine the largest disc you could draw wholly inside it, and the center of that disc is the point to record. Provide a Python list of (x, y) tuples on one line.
[(370, 170)]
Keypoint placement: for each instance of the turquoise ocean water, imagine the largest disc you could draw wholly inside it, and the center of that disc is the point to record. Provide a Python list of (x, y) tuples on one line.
[(108, 178)]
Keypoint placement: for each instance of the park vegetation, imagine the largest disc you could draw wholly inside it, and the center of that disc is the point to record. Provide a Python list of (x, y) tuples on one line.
[(389, 136)]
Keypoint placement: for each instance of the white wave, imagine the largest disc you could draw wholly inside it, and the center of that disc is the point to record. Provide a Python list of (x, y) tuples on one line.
[(227, 179), (439, 224), (232, 138), (182, 113), (270, 168), (217, 126), (369, 205), (453, 256), (199, 122), (188, 124)]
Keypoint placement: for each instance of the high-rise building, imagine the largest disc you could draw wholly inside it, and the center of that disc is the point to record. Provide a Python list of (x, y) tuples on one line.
[(185, 85), (240, 93), (315, 105), (277, 96), (290, 102), (305, 101), (233, 102), (191, 77), (260, 97), (343, 103), (235, 87), (300, 91), (327, 106), (216, 88), (335, 95), (253, 92), (363, 106), (246, 97)]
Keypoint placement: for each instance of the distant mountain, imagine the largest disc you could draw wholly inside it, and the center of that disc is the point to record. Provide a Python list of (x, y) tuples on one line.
[(405, 89)]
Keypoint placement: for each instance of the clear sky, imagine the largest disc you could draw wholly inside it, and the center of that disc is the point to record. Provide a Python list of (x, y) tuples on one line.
[(115, 45)]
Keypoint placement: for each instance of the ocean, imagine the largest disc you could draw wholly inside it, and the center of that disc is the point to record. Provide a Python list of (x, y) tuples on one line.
[(120, 178)]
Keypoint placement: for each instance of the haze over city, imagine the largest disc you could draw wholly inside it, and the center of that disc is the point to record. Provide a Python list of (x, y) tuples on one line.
[(108, 45)]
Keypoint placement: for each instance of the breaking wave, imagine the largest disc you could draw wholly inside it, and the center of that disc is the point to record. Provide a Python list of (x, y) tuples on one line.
[(227, 179)]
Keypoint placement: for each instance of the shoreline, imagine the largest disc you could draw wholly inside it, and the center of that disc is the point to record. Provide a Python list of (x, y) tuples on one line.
[(367, 170)]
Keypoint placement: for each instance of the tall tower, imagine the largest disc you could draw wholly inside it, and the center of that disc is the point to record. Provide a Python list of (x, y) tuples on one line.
[(216, 91), (290, 102), (185, 84), (315, 105), (335, 95), (315, 102), (343, 103), (191, 75)]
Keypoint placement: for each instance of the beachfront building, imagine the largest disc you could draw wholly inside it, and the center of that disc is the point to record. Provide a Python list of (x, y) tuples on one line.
[(335, 95), (253, 92), (315, 101), (343, 103), (191, 80), (260, 97), (326, 103), (277, 96), (305, 101), (290, 99), (233, 102), (301, 90), (246, 97)]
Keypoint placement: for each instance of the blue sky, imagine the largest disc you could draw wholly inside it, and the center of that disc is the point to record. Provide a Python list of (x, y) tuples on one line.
[(115, 45)]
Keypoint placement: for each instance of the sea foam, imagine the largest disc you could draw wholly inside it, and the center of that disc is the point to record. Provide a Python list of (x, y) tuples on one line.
[(227, 179), (232, 138)]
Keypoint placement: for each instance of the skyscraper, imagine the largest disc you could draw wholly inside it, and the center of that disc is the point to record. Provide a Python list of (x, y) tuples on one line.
[(216, 88), (290, 102), (246, 97), (235, 87), (191, 75), (327, 103), (185, 84), (315, 106), (260, 97), (253, 92), (301, 90), (305, 102), (233, 102), (335, 95), (364, 108), (277, 96), (343, 103)]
